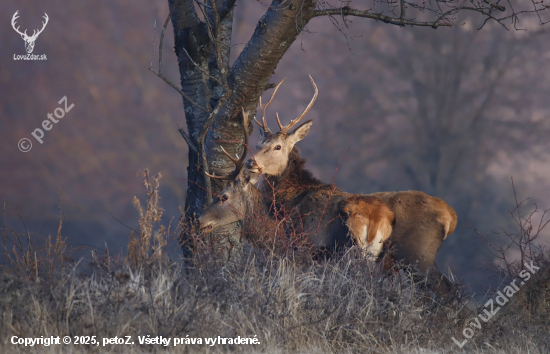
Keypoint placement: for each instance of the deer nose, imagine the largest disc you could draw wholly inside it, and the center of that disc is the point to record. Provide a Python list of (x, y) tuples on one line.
[(204, 225), (251, 164)]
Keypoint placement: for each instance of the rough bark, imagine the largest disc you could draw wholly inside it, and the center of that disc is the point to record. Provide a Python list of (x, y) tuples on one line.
[(247, 79)]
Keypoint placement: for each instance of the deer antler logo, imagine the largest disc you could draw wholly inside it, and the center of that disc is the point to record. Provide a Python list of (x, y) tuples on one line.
[(29, 40)]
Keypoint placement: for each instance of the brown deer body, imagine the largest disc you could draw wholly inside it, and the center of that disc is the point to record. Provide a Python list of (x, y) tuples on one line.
[(422, 222), (329, 216), (326, 213)]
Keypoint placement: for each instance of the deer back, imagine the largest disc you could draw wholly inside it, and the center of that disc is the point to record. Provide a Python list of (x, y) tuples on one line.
[(422, 222)]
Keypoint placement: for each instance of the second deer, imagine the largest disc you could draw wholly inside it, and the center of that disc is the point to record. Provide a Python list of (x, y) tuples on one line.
[(328, 215), (422, 222)]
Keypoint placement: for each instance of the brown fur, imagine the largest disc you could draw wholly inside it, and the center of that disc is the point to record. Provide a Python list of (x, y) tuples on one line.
[(245, 203), (316, 205), (367, 212), (421, 222)]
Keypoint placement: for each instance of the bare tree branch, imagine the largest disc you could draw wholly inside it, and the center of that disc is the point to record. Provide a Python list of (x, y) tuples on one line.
[(444, 18), (188, 140), (226, 7), (202, 142), (348, 11), (495, 6), (164, 78)]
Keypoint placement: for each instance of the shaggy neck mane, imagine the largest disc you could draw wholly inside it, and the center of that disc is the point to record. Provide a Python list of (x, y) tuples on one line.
[(256, 218), (255, 206), (294, 180)]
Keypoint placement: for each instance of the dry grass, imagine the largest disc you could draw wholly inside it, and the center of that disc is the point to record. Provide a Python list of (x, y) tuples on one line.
[(290, 302)]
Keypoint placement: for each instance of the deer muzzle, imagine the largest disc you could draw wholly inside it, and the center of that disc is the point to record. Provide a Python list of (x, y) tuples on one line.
[(206, 226), (252, 166)]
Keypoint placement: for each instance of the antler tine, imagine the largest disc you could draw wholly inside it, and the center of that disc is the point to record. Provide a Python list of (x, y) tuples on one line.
[(229, 155), (240, 162), (279, 121), (14, 23), (245, 127), (229, 175), (46, 18), (264, 125), (295, 121), (226, 178), (271, 99), (264, 107)]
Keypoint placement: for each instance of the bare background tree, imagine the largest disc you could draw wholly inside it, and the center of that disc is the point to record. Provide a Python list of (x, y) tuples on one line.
[(214, 91), (404, 101), (456, 119)]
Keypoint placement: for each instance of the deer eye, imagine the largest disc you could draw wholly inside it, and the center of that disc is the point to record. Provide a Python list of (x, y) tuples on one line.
[(278, 147), (224, 197)]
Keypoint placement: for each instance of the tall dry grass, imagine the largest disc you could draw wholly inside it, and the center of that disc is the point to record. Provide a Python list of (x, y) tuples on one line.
[(289, 301)]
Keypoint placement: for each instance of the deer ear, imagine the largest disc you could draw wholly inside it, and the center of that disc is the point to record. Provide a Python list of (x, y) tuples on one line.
[(262, 134), (300, 132)]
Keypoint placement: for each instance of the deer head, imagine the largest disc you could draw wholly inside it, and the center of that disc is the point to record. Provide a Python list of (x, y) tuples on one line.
[(235, 199), (29, 40), (274, 149)]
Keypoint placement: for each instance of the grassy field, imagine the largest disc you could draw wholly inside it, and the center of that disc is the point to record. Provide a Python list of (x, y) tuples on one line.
[(258, 302)]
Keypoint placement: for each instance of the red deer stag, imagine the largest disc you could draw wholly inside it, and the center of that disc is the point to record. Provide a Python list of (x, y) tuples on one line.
[(422, 222), (329, 216), (240, 200)]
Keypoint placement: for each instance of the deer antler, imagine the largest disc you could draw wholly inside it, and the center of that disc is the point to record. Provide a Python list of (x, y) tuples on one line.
[(263, 108), (238, 162), (43, 26), (293, 122), (34, 33), (13, 20)]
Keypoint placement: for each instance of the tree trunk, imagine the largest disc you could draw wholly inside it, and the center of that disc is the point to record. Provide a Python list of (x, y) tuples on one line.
[(247, 79)]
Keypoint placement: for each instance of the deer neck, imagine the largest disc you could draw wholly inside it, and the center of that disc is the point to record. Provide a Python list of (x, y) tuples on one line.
[(257, 217), (294, 180)]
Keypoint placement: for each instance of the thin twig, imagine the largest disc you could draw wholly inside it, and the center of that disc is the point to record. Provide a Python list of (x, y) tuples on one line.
[(202, 142), (179, 91), (200, 68), (347, 11), (5, 224), (213, 33), (165, 79), (154, 46), (188, 140)]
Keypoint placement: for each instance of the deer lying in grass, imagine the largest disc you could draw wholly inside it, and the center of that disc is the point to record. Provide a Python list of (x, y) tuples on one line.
[(422, 222), (340, 215), (240, 200)]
